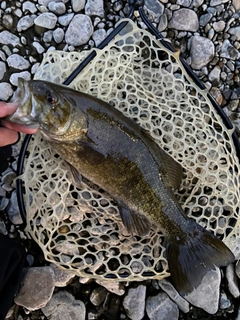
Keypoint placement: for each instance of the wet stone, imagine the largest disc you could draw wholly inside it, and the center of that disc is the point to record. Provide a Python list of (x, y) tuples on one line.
[(98, 296), (161, 307), (224, 301), (134, 302), (36, 289)]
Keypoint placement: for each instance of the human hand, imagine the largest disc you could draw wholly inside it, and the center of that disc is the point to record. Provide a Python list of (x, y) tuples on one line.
[(9, 131)]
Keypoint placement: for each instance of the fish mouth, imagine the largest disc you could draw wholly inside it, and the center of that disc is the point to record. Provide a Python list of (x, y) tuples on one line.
[(23, 98)]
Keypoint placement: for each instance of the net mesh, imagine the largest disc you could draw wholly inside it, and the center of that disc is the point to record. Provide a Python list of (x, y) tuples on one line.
[(81, 229)]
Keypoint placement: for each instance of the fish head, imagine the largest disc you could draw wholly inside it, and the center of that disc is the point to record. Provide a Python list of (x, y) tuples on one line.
[(49, 107)]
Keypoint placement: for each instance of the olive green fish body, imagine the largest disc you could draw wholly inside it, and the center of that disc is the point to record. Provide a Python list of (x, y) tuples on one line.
[(113, 152)]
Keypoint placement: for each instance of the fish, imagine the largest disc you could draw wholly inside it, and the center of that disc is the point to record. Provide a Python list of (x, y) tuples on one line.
[(112, 151)]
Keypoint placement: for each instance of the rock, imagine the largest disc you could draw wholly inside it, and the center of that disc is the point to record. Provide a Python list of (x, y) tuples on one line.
[(2, 69), (63, 306), (29, 6), (14, 77), (184, 19), (36, 289), (25, 23), (236, 4), (134, 302), (58, 35), (206, 295), (114, 287), (224, 301), (73, 36), (174, 295), (219, 26), (7, 37), (205, 18), (38, 47), (94, 8), (65, 20), (99, 35), (235, 32), (18, 62), (7, 21), (232, 281), (184, 3), (214, 3), (154, 9), (57, 7), (162, 22), (161, 307), (98, 296), (214, 74), (13, 210), (5, 91), (202, 51), (228, 51), (47, 36), (62, 277), (46, 20), (78, 5)]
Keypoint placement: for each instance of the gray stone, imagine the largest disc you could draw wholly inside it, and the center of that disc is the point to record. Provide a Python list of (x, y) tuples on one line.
[(78, 5), (2, 69), (58, 35), (228, 51), (232, 281), (7, 21), (14, 77), (202, 51), (73, 36), (9, 177), (94, 8), (40, 49), (134, 302), (13, 210), (18, 62), (99, 35), (29, 6), (206, 295), (36, 289), (57, 7), (214, 3), (63, 306), (161, 307), (46, 20), (62, 277), (154, 9), (184, 3), (98, 296), (25, 23), (184, 19), (65, 19), (47, 36), (162, 22), (114, 287), (224, 301), (5, 91), (7, 37), (235, 32), (214, 74), (174, 295), (204, 19), (219, 26), (236, 4), (3, 205), (197, 3)]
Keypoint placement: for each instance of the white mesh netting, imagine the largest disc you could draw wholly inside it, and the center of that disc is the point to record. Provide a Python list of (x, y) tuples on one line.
[(81, 230)]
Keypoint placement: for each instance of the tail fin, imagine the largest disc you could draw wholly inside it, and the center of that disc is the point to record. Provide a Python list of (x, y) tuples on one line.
[(193, 255)]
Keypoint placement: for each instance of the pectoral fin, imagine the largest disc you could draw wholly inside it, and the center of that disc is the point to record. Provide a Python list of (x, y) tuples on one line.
[(76, 176), (134, 222)]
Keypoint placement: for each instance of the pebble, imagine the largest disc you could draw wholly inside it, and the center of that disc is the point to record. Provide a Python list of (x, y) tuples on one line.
[(163, 22), (5, 91), (7, 37), (2, 69), (58, 35), (47, 36), (236, 4), (214, 74), (73, 36), (78, 5), (14, 77), (228, 51), (25, 23), (161, 307), (154, 8), (36, 288), (40, 49), (217, 2), (166, 286), (225, 303), (134, 302), (202, 51), (232, 281), (7, 21), (235, 32), (98, 296), (57, 7), (114, 287), (46, 20), (61, 276), (63, 306), (12, 209), (65, 19), (98, 36), (219, 26), (18, 62), (29, 6), (206, 295), (184, 19), (94, 8)]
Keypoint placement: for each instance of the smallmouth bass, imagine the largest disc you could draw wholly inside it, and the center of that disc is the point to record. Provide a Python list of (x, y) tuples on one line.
[(100, 143)]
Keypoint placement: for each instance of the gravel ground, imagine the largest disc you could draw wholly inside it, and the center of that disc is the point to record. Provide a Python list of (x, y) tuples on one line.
[(208, 34)]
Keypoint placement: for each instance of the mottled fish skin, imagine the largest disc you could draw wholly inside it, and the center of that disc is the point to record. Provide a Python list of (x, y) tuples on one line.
[(113, 152)]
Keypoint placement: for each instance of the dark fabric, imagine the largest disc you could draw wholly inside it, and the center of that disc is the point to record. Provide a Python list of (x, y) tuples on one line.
[(12, 258), (5, 153)]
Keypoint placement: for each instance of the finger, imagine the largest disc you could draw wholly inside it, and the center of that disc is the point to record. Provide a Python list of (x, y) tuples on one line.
[(7, 108), (7, 136), (18, 127)]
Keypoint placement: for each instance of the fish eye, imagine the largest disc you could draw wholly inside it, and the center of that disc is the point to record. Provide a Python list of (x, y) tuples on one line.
[(51, 98)]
